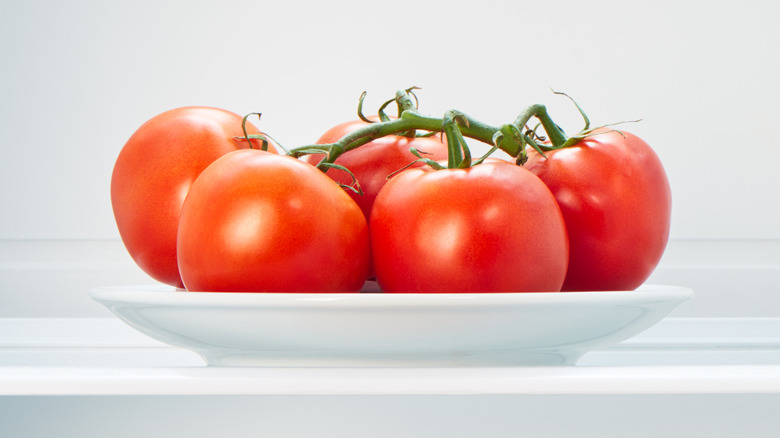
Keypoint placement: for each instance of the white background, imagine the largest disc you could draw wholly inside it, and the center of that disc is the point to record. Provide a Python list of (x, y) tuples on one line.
[(78, 77)]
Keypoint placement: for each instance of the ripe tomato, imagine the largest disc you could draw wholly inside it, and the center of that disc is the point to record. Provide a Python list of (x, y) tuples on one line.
[(154, 172), (260, 222), (616, 200), (373, 162), (494, 227)]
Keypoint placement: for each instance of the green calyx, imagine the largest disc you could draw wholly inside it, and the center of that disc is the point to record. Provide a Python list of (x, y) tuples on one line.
[(585, 132)]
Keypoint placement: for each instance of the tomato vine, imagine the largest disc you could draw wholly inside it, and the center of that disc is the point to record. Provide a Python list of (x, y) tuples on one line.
[(512, 138)]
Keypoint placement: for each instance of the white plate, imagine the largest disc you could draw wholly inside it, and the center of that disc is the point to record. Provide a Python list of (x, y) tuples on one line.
[(374, 329)]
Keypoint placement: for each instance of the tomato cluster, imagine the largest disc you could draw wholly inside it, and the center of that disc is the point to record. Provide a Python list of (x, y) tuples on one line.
[(206, 202)]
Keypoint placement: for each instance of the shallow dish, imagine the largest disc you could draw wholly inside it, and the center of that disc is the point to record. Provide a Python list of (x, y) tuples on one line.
[(374, 329)]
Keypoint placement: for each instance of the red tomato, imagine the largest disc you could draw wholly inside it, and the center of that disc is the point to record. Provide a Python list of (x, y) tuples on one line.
[(373, 162), (260, 222), (154, 172), (494, 227), (616, 200)]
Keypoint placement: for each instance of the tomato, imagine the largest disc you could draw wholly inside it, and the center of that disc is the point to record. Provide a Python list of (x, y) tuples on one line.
[(259, 222), (373, 162), (154, 172), (494, 227), (616, 200)]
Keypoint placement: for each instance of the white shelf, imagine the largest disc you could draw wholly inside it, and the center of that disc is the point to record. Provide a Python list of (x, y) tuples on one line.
[(91, 378), (102, 356), (384, 381)]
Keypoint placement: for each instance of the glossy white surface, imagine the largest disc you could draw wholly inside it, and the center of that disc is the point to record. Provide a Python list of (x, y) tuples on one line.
[(105, 357), (370, 329), (390, 381)]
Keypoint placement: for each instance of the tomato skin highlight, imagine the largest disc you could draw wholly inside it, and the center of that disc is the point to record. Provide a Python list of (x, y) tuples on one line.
[(494, 227), (260, 222), (153, 173), (373, 162), (616, 201)]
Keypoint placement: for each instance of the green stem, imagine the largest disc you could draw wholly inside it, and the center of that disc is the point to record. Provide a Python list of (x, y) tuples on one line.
[(405, 103), (455, 146), (554, 132), (410, 121)]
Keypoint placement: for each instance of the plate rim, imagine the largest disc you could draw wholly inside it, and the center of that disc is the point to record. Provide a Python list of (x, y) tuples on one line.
[(169, 296)]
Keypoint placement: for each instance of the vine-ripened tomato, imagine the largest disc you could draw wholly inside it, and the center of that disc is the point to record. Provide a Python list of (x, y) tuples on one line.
[(616, 200), (154, 172), (260, 222), (373, 162), (494, 227)]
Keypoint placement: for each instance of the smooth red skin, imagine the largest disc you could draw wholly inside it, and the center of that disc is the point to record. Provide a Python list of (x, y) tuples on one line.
[(154, 172), (616, 200), (373, 162), (494, 227), (260, 222)]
